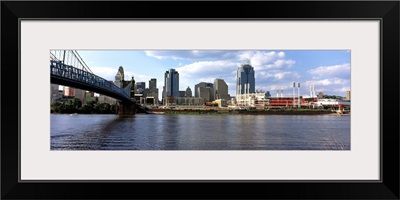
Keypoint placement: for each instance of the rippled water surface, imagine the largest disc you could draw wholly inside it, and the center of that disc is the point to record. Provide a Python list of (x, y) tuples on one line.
[(200, 132)]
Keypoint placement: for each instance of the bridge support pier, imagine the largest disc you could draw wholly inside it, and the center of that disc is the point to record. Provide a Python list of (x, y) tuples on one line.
[(126, 108)]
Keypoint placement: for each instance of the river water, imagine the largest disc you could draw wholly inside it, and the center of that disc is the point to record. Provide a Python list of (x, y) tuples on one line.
[(200, 132)]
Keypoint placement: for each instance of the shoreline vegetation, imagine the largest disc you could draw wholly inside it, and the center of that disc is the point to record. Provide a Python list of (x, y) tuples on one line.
[(74, 106)]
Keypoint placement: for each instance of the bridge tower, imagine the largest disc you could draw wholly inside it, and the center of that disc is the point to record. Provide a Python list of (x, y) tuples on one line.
[(126, 107)]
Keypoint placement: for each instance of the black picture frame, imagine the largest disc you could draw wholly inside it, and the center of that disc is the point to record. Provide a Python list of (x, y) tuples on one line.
[(386, 11)]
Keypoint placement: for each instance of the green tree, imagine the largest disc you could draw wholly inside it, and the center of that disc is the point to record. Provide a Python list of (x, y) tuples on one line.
[(68, 107), (77, 104), (96, 108), (87, 109), (104, 108), (57, 107)]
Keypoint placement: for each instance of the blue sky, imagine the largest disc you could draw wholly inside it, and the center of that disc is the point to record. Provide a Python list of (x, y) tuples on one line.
[(327, 70)]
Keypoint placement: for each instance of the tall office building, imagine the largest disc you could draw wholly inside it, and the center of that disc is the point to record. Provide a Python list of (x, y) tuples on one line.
[(153, 90), (152, 83), (140, 86), (220, 89), (348, 95), (205, 91), (171, 84), (245, 78)]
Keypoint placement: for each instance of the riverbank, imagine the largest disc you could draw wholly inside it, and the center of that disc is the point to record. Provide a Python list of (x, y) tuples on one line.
[(243, 112)]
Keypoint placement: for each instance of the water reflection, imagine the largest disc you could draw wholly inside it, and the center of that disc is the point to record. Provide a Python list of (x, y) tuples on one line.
[(199, 132)]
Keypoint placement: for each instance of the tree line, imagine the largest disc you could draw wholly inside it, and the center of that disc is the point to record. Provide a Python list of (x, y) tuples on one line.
[(332, 97), (75, 106)]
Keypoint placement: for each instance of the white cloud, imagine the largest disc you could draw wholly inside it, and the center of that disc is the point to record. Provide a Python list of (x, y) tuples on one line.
[(191, 54), (278, 64), (327, 82), (278, 76), (285, 75), (264, 75), (139, 78), (283, 63), (342, 90), (331, 71), (273, 88), (160, 54), (109, 73), (262, 60), (246, 55), (334, 79), (207, 68)]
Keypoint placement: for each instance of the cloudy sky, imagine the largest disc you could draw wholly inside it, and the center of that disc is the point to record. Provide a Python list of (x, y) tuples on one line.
[(327, 70)]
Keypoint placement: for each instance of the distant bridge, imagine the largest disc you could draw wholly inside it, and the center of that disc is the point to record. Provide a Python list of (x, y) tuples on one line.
[(68, 68)]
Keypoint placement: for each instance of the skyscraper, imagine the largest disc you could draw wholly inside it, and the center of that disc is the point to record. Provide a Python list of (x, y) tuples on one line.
[(348, 95), (204, 90), (140, 86), (220, 89), (153, 90), (171, 84), (245, 78), (152, 83)]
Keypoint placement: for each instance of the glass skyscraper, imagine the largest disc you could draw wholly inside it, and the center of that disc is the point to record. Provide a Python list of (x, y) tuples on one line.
[(171, 83), (245, 78)]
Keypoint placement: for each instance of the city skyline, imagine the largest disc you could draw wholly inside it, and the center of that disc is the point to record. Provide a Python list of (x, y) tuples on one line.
[(327, 70)]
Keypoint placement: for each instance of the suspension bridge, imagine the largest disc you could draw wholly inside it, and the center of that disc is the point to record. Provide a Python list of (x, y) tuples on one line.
[(68, 68)]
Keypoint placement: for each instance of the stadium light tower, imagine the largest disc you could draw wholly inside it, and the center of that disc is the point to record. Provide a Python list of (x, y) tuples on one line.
[(298, 93), (294, 85)]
